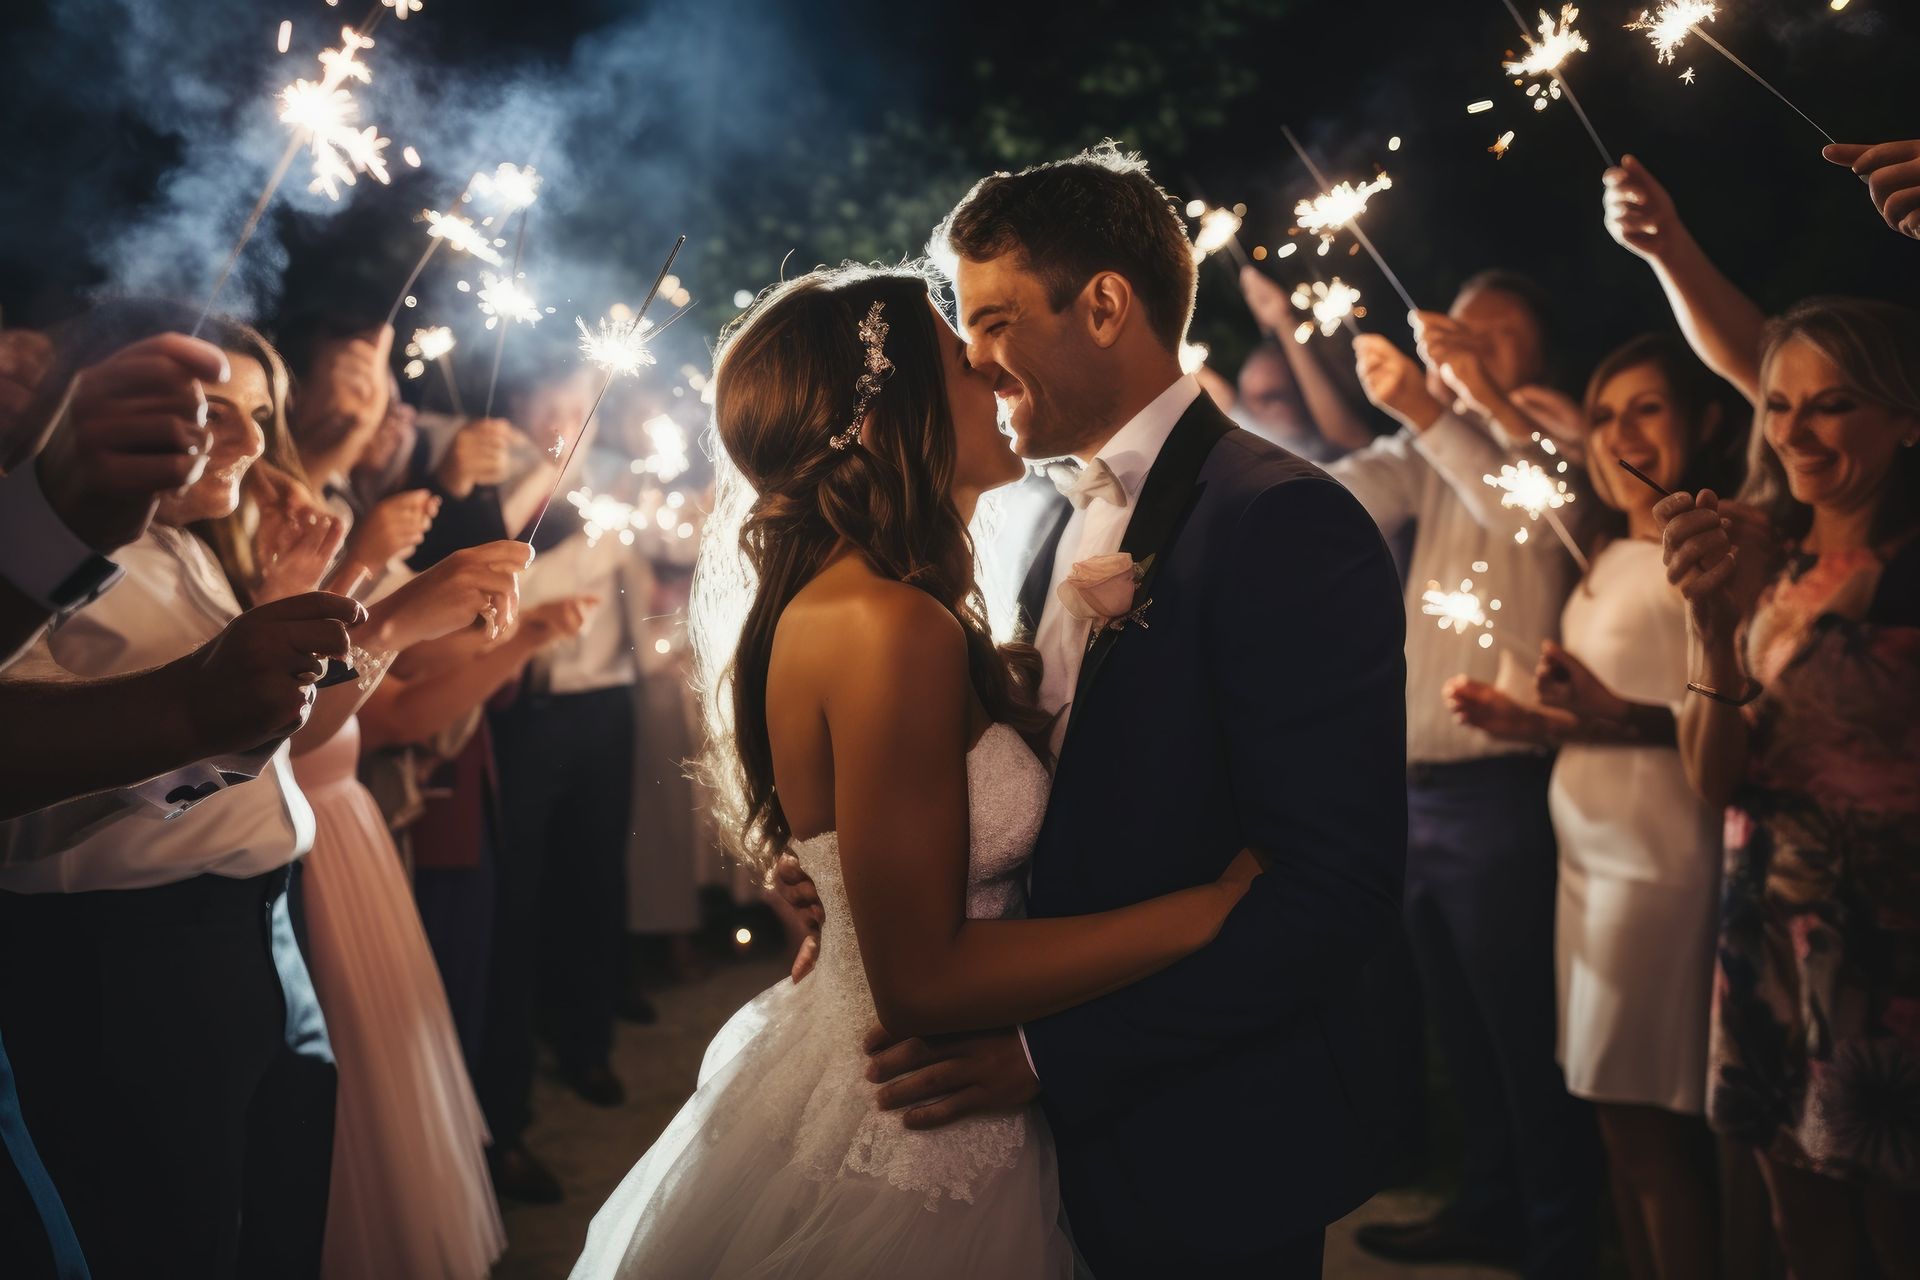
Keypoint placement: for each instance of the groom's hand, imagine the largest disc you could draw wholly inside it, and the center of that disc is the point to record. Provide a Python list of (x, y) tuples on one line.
[(948, 1078)]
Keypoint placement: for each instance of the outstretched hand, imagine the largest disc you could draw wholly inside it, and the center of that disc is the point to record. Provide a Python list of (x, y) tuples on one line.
[(1891, 171), (1639, 213)]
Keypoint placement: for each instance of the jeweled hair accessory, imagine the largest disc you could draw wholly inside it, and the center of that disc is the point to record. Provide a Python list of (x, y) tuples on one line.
[(873, 332)]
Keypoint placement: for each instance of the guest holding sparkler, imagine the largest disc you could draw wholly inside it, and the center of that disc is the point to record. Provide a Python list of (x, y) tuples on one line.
[(1480, 861), (1324, 396), (1639, 853), (1804, 719), (1891, 171)]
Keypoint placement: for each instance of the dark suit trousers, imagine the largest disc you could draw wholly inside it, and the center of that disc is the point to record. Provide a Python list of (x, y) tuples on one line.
[(560, 903), (1481, 875), (1296, 1259), (175, 1071)]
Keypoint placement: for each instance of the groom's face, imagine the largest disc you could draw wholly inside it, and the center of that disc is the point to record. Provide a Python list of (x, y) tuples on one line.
[(1042, 363)]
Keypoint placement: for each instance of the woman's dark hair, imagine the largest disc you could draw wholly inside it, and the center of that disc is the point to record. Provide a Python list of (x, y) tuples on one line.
[(1072, 219), (119, 322), (783, 380), (1876, 348), (1715, 451)]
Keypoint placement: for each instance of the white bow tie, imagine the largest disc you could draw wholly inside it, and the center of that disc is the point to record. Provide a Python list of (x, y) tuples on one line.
[(1082, 485)]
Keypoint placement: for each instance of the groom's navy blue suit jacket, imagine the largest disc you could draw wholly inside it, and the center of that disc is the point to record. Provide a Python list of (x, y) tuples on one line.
[(1222, 1105)]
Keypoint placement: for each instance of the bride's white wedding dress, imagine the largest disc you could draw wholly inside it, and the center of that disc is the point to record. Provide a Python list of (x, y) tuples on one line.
[(781, 1165)]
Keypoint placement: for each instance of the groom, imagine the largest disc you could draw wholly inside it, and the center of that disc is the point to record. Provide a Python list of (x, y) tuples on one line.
[(1212, 1119)]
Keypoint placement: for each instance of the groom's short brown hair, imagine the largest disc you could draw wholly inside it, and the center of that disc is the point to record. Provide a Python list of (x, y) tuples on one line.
[(1072, 219)]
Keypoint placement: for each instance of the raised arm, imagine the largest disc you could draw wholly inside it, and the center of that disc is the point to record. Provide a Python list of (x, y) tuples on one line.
[(1330, 404), (1721, 323), (1314, 721), (899, 725)]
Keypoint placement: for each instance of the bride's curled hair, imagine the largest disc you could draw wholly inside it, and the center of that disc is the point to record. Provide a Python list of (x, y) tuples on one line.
[(786, 499)]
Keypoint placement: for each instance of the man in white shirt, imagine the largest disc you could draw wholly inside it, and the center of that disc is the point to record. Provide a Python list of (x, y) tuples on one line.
[(1481, 857)]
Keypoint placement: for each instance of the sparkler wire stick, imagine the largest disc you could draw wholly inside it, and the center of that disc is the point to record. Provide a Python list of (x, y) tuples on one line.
[(1567, 89), (433, 243), (1353, 224), (586, 427), (246, 232), (1760, 80), (1644, 478), (445, 361), (500, 340), (1566, 540)]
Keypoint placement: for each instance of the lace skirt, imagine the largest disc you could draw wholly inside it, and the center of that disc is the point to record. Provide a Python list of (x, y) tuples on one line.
[(781, 1165)]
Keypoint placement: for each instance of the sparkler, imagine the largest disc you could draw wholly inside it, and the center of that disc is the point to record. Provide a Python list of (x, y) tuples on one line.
[(1219, 229), (624, 359), (436, 345), (503, 298), (1461, 610), (1332, 303), (516, 189), (1533, 490), (323, 117), (1644, 478), (1347, 201), (451, 229), (1501, 144), (1669, 25), (619, 345), (1547, 55), (602, 513)]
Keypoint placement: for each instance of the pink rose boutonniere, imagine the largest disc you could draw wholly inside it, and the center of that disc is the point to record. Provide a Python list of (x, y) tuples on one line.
[(1101, 590)]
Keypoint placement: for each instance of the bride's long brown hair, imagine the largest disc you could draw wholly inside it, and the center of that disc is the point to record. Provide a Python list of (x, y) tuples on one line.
[(783, 380)]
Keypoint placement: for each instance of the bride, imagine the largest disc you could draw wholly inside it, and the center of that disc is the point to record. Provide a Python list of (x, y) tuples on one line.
[(868, 724)]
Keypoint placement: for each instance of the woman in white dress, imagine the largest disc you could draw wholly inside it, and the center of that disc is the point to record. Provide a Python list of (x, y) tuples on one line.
[(1639, 853), (867, 722)]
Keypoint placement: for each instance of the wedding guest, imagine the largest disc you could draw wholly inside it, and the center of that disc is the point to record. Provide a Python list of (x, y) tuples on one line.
[(1892, 177), (1639, 853), (1480, 859), (169, 1052), (409, 1186), (1804, 719), (565, 748)]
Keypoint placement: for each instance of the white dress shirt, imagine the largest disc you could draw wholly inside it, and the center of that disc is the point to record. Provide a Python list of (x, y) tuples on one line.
[(1096, 529), (173, 599), (1435, 479), (603, 655)]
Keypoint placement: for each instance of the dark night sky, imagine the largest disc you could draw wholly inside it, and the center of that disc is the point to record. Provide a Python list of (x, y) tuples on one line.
[(760, 137)]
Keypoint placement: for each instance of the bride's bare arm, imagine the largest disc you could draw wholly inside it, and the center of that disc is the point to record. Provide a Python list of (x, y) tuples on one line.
[(899, 724)]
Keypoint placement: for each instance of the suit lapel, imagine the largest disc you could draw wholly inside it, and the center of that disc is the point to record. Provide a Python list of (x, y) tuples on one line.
[(1033, 591), (1171, 489)]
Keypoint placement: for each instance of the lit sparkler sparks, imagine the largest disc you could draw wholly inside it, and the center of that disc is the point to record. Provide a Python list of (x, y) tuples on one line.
[(510, 187), (602, 513), (1686, 77), (502, 297), (1672, 23), (1217, 229), (619, 345), (1529, 488), (1460, 611), (1331, 302), (325, 118), (286, 35), (1557, 42), (431, 344), (1193, 356), (667, 459), (1501, 144), (461, 234), (401, 8), (1336, 208)]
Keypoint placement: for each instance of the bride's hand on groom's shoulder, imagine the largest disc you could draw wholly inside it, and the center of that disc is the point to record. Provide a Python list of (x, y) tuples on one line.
[(795, 888), (947, 1078)]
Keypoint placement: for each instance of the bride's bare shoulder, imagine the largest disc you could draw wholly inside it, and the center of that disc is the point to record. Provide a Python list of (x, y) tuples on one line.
[(854, 616)]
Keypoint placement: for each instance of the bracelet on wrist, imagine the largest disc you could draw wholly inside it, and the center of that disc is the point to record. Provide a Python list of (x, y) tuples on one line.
[(1752, 691)]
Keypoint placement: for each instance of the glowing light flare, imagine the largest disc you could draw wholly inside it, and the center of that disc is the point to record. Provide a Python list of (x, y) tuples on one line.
[(1530, 489), (1461, 610), (1329, 211), (431, 344), (1330, 301), (618, 345), (325, 118), (461, 234), (1217, 227), (401, 8), (1686, 77), (1193, 356), (504, 298), (1558, 41), (509, 187), (286, 35), (601, 514), (1501, 144), (411, 156), (666, 458), (1475, 108), (1670, 24)]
